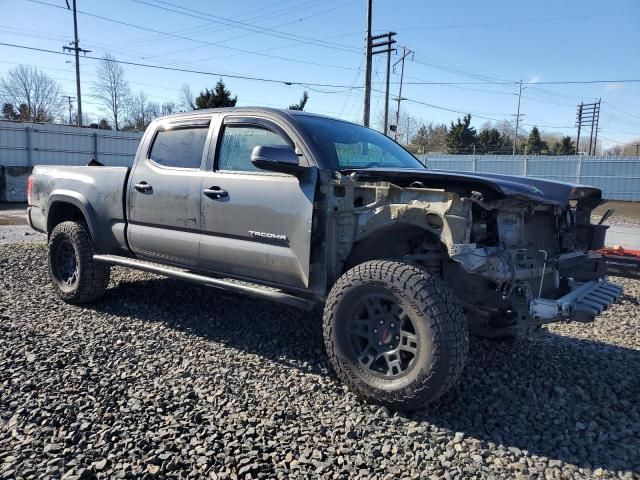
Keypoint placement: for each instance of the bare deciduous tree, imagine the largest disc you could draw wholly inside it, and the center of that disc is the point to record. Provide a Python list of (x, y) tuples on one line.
[(167, 108), (33, 94), (111, 89), (187, 101), (141, 112), (153, 111)]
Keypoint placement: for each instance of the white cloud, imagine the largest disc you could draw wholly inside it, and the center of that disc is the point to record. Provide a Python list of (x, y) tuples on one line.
[(534, 79), (613, 86)]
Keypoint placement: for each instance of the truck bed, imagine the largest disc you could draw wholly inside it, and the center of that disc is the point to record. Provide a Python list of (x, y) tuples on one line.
[(97, 192)]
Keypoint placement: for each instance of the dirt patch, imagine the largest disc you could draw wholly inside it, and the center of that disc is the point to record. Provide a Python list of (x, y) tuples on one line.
[(13, 214)]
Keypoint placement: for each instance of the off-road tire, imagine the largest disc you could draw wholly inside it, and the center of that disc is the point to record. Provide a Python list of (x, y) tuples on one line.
[(441, 328), (92, 277)]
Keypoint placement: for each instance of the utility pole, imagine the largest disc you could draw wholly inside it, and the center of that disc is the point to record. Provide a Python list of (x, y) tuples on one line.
[(69, 97), (636, 145), (579, 123), (76, 48), (405, 53), (386, 91), (515, 140), (588, 116), (595, 138), (384, 47), (367, 76)]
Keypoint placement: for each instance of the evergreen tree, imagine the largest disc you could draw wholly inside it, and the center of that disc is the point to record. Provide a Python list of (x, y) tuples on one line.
[(9, 112), (104, 125), (506, 144), (565, 147), (303, 101), (489, 141), (535, 144), (461, 136), (217, 98)]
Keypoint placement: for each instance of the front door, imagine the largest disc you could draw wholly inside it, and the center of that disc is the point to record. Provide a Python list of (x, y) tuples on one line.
[(259, 224), (164, 193)]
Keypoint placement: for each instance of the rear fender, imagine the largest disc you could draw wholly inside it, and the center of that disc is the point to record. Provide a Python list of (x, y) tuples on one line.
[(77, 200)]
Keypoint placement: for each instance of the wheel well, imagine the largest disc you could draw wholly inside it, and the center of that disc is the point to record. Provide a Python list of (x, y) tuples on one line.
[(393, 242), (61, 212)]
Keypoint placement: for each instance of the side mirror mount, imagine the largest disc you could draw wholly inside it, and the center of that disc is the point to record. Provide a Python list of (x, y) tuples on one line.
[(276, 158)]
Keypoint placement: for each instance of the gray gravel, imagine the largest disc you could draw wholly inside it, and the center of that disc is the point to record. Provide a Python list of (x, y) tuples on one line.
[(168, 379), (19, 234)]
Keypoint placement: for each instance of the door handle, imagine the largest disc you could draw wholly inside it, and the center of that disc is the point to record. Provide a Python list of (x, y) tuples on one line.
[(143, 187), (216, 193)]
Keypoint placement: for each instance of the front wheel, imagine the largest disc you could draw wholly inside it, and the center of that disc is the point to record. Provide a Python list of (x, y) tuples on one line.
[(395, 334), (76, 276)]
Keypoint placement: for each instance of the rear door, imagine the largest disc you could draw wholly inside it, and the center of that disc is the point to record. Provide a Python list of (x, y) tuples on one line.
[(164, 192), (259, 226)]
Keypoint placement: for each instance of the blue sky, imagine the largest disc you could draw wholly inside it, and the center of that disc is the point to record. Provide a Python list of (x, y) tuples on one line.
[(321, 41)]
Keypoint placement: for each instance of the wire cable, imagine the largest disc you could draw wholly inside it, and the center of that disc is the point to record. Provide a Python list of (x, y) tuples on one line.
[(184, 70)]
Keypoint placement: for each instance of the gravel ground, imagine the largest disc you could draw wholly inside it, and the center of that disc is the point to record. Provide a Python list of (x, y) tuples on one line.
[(623, 212), (169, 379), (19, 234)]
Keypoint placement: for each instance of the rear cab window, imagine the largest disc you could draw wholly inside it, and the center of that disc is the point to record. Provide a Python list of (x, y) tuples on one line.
[(179, 147)]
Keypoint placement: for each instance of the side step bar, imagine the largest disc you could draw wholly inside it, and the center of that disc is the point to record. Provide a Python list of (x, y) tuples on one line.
[(229, 284)]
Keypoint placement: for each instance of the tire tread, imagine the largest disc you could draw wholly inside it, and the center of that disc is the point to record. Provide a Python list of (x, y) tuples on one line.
[(446, 319), (94, 276)]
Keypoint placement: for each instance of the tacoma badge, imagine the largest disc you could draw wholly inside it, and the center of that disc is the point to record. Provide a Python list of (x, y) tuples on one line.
[(271, 236)]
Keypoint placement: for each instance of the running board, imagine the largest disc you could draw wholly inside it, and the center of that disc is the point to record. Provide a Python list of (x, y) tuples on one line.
[(229, 284)]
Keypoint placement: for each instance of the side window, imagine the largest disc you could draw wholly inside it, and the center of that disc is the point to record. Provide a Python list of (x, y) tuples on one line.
[(179, 147), (238, 142), (364, 154)]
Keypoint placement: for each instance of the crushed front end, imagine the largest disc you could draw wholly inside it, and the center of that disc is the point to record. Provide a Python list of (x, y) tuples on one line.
[(516, 252), (528, 263)]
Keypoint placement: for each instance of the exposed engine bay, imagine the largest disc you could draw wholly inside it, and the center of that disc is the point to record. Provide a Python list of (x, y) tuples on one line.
[(514, 261)]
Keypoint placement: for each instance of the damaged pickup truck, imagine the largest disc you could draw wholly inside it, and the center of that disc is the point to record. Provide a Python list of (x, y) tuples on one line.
[(308, 210)]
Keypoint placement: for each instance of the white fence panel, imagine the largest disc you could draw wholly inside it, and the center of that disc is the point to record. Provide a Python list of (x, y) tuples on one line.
[(617, 177), (29, 144)]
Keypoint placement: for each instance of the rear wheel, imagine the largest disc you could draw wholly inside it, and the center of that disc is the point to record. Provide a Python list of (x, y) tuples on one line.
[(395, 334), (76, 276)]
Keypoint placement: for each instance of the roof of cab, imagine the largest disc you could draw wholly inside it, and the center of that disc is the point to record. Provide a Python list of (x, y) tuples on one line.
[(283, 112)]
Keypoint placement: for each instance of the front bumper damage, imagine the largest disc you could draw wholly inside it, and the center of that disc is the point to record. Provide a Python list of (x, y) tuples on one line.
[(582, 304)]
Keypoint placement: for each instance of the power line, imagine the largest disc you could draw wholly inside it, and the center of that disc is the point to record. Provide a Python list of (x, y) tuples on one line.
[(202, 42), (248, 26), (184, 70), (277, 81), (615, 141), (475, 114), (559, 82), (296, 20), (208, 28), (457, 71), (632, 115)]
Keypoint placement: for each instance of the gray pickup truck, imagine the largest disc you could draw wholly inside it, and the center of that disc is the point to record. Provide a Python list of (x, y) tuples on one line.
[(309, 210)]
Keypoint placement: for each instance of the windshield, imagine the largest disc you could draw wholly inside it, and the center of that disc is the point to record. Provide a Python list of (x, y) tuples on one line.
[(346, 145)]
